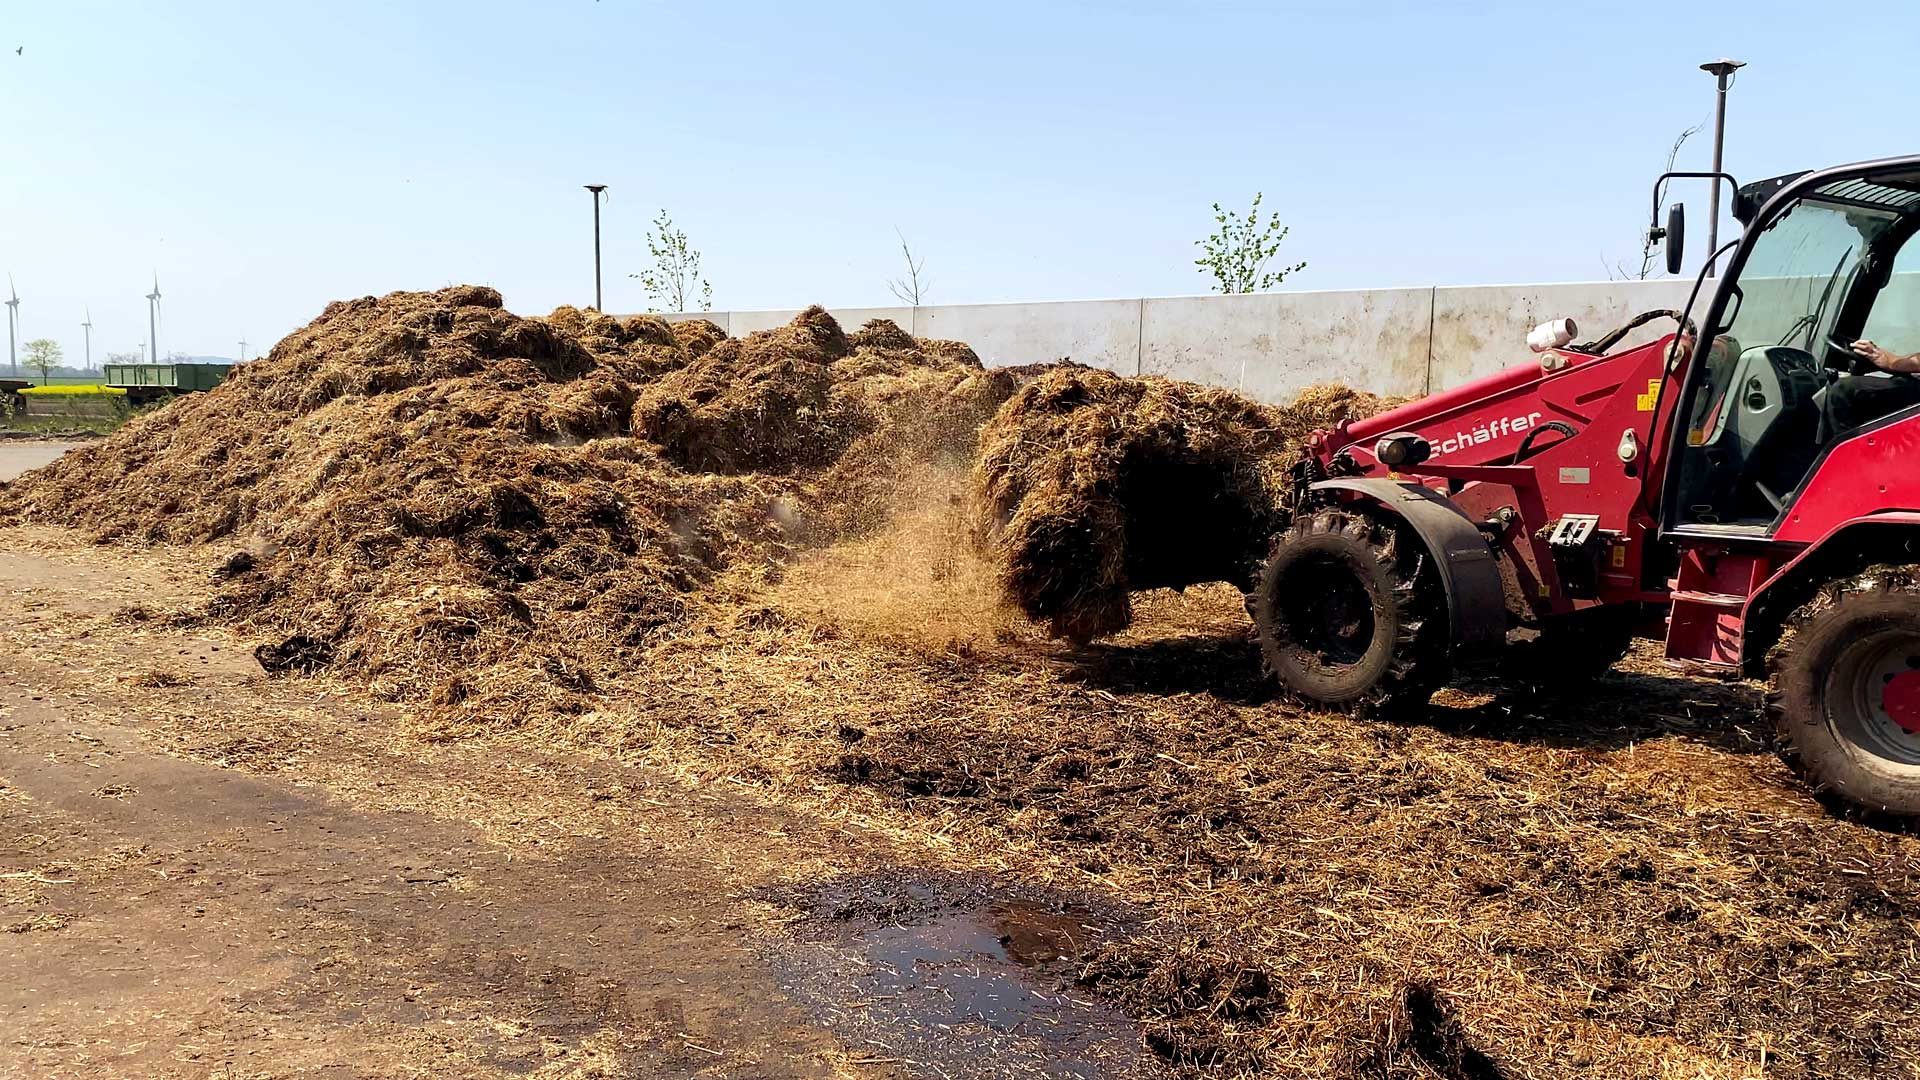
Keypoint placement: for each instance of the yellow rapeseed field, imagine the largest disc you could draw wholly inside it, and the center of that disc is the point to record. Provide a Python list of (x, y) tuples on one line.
[(74, 388)]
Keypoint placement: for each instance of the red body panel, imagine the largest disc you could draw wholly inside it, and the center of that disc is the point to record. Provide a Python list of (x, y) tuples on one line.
[(1790, 558), (1866, 481), (1867, 474), (1467, 397)]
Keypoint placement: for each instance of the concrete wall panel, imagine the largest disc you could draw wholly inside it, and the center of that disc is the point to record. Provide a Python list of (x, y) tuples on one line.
[(1098, 333), (1895, 321), (1270, 345), (1478, 330), (1396, 341)]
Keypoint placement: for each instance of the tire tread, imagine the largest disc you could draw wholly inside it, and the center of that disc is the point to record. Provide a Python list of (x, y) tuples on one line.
[(1419, 663), (1786, 663)]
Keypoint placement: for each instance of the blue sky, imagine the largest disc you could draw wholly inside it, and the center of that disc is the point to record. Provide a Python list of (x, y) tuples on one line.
[(267, 158)]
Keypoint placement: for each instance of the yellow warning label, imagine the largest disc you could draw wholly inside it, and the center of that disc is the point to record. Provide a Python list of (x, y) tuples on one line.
[(1619, 555), (1645, 402)]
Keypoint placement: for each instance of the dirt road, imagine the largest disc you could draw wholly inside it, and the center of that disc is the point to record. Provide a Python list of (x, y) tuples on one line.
[(20, 455), (207, 873)]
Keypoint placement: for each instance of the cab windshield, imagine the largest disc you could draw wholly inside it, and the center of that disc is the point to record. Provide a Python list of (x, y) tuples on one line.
[(1760, 411)]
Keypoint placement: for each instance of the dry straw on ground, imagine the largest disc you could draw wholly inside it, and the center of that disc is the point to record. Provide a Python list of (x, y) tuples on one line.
[(1623, 885)]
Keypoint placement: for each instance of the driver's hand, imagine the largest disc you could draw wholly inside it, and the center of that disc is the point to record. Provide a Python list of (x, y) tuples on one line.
[(1881, 358)]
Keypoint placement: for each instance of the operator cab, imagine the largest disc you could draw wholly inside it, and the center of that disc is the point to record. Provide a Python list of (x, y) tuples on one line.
[(1823, 264)]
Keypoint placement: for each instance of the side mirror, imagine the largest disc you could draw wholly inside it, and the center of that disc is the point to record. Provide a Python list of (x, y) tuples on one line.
[(1676, 232)]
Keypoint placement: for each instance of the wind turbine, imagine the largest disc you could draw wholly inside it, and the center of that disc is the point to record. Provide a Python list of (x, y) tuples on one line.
[(13, 318), (243, 348), (88, 327), (153, 319)]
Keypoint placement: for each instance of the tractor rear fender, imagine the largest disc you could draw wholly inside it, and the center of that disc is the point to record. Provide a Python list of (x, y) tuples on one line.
[(1846, 549), (1468, 570)]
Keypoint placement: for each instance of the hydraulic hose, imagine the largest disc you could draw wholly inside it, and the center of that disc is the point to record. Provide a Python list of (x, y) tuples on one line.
[(1526, 444), (1613, 337)]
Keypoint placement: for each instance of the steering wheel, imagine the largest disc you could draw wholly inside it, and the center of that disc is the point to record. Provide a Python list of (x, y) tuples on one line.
[(1850, 362)]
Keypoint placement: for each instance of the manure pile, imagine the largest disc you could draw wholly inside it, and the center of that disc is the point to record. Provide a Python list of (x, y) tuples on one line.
[(1093, 486), (488, 514)]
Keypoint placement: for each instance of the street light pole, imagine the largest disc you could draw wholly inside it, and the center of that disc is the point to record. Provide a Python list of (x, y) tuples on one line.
[(597, 190), (1722, 70)]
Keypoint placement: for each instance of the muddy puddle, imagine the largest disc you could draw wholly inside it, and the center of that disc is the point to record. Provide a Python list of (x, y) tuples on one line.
[(943, 976)]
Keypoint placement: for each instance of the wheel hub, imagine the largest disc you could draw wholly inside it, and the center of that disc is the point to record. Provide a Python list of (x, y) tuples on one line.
[(1329, 613), (1900, 700), (1876, 685)]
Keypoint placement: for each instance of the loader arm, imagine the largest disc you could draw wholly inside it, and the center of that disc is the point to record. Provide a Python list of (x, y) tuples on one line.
[(1522, 450)]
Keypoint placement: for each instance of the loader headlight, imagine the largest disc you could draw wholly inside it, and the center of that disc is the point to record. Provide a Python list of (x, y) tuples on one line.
[(1402, 448)]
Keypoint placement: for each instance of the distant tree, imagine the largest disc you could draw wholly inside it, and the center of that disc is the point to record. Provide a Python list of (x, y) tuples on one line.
[(675, 275), (913, 288), (125, 357), (1238, 251), (1621, 269), (43, 355)]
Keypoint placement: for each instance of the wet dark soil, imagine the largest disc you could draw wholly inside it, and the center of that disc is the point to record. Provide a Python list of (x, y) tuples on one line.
[(958, 975)]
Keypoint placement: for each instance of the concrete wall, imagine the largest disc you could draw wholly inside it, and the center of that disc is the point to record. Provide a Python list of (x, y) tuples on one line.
[(1895, 320), (1269, 345), (1098, 333)]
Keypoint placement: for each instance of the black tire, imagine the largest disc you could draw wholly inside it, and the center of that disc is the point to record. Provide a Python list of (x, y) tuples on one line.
[(1568, 651), (1845, 695), (1349, 614)]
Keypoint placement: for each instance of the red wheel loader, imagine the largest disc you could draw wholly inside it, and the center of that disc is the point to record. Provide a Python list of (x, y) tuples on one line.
[(1746, 488)]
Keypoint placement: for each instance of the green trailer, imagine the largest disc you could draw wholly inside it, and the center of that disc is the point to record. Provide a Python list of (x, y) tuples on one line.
[(146, 382)]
